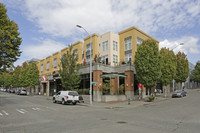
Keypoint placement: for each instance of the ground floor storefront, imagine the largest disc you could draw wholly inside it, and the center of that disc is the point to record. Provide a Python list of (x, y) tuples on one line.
[(121, 78)]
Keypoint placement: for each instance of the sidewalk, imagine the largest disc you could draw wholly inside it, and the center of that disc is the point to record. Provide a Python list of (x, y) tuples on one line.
[(114, 104)]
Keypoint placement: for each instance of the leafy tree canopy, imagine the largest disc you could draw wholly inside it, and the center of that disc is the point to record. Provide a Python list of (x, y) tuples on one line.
[(196, 73), (147, 63), (70, 76), (168, 66), (182, 69), (9, 40)]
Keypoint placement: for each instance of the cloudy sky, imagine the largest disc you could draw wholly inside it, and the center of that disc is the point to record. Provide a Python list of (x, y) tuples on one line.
[(47, 26)]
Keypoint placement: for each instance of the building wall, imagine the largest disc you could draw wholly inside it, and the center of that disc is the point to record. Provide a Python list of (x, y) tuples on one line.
[(132, 32), (49, 59), (58, 56), (78, 46), (94, 45), (110, 37), (44, 66)]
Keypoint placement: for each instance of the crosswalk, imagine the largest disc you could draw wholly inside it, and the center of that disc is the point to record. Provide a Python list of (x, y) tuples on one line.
[(4, 113)]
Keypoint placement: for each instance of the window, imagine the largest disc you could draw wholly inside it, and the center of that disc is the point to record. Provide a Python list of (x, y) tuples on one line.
[(115, 59), (139, 41), (75, 53), (105, 46), (105, 59), (55, 63), (115, 46), (48, 66), (128, 43), (41, 68), (88, 53), (128, 57)]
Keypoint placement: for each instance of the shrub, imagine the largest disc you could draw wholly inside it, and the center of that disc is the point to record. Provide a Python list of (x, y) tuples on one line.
[(151, 98)]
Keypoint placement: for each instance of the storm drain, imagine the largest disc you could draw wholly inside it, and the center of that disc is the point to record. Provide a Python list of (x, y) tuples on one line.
[(121, 122)]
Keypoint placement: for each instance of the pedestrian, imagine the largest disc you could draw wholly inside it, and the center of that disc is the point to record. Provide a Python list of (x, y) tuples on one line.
[(155, 91), (183, 87)]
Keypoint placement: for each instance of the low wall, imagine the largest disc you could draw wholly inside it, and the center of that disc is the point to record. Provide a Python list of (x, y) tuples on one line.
[(108, 98)]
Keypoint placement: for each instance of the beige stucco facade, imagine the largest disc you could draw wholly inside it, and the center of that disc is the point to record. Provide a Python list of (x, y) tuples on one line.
[(110, 37)]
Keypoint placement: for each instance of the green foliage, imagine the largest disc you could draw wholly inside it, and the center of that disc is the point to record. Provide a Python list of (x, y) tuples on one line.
[(147, 63), (2, 78), (70, 76), (32, 75), (83, 91), (121, 89), (182, 69), (23, 77), (195, 76), (106, 86), (151, 98), (29, 76), (16, 74), (168, 66), (9, 40)]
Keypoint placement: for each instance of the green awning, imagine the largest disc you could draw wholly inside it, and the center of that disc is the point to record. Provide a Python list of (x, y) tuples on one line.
[(112, 75)]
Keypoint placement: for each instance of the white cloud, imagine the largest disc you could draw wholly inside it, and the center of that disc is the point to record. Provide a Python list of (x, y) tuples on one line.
[(42, 50), (190, 45), (59, 18)]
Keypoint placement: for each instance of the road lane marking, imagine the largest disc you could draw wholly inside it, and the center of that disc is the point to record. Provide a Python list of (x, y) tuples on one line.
[(5, 112), (23, 110), (1, 114), (34, 108), (20, 111), (37, 109)]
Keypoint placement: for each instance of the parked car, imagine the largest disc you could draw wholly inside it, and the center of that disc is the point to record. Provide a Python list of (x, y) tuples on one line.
[(17, 92), (179, 93), (22, 92), (66, 97), (12, 91)]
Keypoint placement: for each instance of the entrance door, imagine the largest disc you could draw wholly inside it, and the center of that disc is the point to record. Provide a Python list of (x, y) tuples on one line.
[(44, 87)]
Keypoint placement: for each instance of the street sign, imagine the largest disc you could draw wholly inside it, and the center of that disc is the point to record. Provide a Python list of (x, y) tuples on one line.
[(139, 85), (94, 83)]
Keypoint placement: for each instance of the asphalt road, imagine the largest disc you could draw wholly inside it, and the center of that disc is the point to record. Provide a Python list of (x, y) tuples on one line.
[(37, 114)]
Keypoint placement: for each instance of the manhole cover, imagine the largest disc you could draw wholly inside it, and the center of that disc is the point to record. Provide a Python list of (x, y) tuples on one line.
[(121, 122)]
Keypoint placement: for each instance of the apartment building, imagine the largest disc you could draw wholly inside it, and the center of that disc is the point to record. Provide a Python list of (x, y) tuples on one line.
[(117, 52)]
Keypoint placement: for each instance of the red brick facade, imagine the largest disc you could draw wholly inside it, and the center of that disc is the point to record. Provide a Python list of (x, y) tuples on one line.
[(129, 81), (97, 78)]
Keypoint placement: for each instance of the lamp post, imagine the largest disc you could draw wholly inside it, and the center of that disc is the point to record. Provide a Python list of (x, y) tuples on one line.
[(90, 62), (173, 49)]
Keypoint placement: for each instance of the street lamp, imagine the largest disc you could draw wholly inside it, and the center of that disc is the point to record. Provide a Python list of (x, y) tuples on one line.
[(177, 46), (90, 62), (173, 49)]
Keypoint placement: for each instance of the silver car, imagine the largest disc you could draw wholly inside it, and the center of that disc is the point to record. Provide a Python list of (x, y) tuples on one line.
[(22, 92)]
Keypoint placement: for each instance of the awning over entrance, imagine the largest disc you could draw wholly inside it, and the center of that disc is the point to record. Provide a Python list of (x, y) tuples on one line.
[(112, 75)]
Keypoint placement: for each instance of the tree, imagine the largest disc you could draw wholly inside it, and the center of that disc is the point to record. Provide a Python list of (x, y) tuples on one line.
[(32, 75), (182, 69), (70, 76), (195, 76), (147, 63), (8, 81), (168, 66), (23, 76), (16, 74), (9, 40)]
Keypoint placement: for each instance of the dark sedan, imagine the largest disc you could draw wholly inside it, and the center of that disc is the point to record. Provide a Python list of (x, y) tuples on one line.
[(179, 93)]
